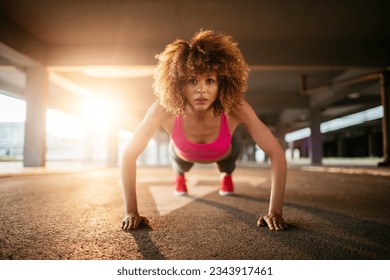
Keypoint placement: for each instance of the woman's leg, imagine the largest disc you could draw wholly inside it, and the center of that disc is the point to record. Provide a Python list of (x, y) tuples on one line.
[(227, 166), (180, 166)]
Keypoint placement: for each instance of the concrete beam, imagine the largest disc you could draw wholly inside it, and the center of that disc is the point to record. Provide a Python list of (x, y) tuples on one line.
[(101, 55), (267, 56), (12, 80), (278, 101), (12, 90), (315, 55), (18, 46)]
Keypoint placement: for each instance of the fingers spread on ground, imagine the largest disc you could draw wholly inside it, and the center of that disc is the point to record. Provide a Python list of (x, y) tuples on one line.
[(271, 225), (260, 222), (133, 224), (125, 224)]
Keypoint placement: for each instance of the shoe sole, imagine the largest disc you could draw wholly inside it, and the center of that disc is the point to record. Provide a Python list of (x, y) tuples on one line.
[(222, 193), (180, 193)]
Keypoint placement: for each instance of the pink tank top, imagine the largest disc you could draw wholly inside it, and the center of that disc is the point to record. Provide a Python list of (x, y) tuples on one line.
[(201, 152)]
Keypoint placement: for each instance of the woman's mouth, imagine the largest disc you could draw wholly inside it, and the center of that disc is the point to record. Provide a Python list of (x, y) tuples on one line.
[(201, 100)]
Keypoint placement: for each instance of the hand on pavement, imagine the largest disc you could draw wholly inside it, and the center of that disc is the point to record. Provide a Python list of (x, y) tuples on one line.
[(274, 222), (133, 221)]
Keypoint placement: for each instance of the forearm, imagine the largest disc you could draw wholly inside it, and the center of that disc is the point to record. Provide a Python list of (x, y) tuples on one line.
[(129, 185), (278, 178)]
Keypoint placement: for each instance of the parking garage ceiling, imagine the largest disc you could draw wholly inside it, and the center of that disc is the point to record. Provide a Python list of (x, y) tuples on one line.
[(289, 45)]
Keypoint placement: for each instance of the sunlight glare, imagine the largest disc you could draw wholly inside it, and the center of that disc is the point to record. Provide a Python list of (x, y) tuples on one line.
[(68, 85), (12, 109), (125, 134), (63, 125), (120, 72), (98, 116)]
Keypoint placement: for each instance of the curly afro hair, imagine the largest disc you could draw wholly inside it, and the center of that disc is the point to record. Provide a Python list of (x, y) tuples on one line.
[(206, 51)]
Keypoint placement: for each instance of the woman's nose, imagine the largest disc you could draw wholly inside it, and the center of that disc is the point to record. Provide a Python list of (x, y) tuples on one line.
[(201, 88)]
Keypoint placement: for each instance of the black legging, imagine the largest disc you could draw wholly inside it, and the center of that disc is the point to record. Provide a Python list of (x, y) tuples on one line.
[(226, 165)]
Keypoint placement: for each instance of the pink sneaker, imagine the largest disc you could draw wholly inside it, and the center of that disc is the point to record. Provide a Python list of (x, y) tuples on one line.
[(226, 186), (180, 185)]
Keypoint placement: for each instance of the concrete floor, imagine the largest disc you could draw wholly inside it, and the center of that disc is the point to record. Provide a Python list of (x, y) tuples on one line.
[(339, 213)]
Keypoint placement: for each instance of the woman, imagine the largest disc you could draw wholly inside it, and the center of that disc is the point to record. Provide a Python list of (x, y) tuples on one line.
[(200, 86)]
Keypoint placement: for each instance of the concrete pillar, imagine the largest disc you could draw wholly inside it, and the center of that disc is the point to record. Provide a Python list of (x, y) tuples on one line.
[(35, 127), (316, 136), (385, 97)]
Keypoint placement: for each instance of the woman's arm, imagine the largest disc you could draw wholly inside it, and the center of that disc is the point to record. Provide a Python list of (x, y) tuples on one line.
[(268, 143), (142, 134)]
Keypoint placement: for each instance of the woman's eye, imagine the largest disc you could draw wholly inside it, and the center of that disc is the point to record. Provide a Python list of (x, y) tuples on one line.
[(192, 81), (210, 81)]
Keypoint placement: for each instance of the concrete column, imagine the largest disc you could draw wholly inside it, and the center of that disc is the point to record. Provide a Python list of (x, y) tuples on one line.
[(316, 136), (385, 97), (35, 127)]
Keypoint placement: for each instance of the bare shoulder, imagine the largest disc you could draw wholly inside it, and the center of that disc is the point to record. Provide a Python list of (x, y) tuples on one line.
[(261, 134), (157, 116), (242, 113)]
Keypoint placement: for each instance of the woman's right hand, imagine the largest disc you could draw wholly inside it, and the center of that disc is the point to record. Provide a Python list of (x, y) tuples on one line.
[(132, 221)]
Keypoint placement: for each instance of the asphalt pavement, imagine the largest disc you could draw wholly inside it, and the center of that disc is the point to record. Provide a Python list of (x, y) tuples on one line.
[(339, 213)]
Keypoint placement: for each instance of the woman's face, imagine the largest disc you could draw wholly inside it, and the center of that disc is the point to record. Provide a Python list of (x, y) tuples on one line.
[(201, 90)]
